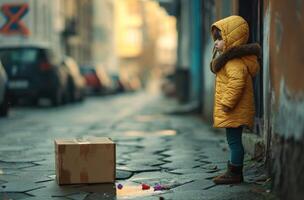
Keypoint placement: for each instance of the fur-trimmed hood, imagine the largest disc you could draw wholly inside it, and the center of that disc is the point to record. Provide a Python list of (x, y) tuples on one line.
[(234, 31), (246, 52)]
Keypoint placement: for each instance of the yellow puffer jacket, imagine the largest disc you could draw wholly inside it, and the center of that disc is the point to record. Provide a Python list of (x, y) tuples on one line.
[(234, 70)]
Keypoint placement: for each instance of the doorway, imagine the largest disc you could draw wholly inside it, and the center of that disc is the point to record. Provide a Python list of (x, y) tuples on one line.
[(251, 11)]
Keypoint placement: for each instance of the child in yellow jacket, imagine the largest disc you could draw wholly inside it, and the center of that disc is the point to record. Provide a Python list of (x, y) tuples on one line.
[(234, 63)]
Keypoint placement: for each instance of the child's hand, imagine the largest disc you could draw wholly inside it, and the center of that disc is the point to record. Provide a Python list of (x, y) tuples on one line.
[(226, 108)]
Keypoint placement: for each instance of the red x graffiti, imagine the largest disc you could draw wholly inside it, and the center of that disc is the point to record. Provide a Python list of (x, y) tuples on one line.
[(14, 13)]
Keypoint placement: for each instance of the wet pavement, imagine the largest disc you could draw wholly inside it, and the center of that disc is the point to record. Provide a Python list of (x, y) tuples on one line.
[(154, 146)]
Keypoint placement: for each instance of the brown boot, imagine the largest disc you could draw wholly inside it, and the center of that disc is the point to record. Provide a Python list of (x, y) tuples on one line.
[(234, 174)]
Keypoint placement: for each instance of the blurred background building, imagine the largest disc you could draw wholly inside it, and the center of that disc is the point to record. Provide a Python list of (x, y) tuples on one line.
[(77, 36), (145, 46), (124, 38)]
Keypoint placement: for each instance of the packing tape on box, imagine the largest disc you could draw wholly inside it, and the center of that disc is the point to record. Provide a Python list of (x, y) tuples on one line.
[(82, 141)]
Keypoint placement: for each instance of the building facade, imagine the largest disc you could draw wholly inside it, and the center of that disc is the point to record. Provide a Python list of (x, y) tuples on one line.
[(77, 35), (284, 95)]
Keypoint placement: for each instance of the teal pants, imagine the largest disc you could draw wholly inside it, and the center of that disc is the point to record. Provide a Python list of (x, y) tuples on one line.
[(234, 139)]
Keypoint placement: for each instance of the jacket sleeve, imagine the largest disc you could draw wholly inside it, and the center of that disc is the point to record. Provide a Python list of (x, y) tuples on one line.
[(236, 74)]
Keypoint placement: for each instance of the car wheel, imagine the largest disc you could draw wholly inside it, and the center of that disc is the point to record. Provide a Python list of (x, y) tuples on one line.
[(78, 95), (66, 97), (57, 98), (4, 107), (34, 101), (72, 94), (82, 95), (71, 91)]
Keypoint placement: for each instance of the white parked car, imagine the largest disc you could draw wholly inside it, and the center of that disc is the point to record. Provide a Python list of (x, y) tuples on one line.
[(4, 102)]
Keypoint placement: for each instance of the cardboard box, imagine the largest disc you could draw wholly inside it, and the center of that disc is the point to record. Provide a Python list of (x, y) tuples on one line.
[(90, 160)]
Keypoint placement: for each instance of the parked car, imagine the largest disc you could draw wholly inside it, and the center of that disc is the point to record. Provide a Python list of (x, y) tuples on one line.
[(76, 82), (117, 83), (97, 80), (4, 101), (34, 71), (131, 83)]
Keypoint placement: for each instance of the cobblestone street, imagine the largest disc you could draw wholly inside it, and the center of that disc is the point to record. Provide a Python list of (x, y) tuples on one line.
[(153, 146)]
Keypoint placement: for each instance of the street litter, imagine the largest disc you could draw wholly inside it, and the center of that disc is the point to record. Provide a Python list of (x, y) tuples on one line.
[(145, 187), (159, 187), (119, 186), (210, 167)]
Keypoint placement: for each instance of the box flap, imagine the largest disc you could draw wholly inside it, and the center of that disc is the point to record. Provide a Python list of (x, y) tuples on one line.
[(86, 140)]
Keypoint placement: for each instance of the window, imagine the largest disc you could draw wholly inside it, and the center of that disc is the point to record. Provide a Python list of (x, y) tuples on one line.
[(18, 56)]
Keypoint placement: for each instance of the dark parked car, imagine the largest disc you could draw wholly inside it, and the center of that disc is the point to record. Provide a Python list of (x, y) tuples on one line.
[(4, 101), (34, 71), (76, 82)]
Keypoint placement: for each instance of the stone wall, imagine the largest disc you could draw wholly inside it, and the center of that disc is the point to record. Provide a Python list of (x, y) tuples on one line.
[(284, 96), (287, 166)]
